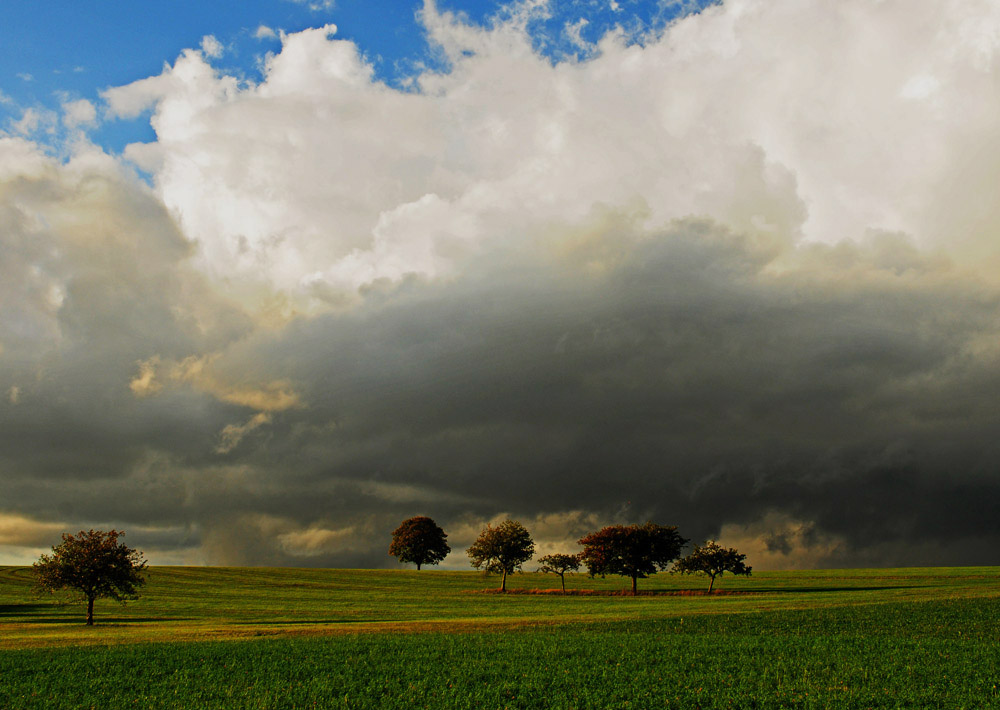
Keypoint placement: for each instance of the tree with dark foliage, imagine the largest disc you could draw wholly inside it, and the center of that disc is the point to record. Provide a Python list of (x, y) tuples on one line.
[(634, 551), (560, 564), (419, 540), (713, 560), (94, 565), (502, 549)]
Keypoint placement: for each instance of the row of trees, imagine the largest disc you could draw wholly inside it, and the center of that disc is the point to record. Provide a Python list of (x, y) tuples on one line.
[(633, 551), (96, 564)]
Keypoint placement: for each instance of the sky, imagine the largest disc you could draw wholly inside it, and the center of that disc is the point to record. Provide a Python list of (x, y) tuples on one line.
[(276, 275)]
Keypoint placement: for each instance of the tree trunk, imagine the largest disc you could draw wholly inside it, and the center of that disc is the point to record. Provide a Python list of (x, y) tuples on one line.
[(90, 611), (562, 578), (418, 567), (503, 582), (711, 584), (634, 592)]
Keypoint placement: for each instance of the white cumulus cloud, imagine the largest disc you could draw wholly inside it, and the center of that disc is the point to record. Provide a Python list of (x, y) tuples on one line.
[(800, 120)]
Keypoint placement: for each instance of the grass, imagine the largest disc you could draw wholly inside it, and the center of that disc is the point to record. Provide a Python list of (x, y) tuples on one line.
[(256, 638)]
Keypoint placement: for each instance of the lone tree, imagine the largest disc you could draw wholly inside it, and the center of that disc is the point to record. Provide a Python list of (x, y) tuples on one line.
[(560, 564), (94, 565), (634, 551), (713, 559), (419, 540), (502, 549)]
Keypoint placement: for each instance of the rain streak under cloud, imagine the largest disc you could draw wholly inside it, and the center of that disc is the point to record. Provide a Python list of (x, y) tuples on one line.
[(736, 273)]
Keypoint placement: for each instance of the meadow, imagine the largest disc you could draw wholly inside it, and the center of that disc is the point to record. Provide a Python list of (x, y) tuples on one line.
[(263, 638)]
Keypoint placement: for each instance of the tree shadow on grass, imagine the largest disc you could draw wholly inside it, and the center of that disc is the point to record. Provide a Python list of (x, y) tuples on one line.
[(37, 613), (304, 622), (810, 590), (100, 619), (42, 613), (23, 609), (703, 592)]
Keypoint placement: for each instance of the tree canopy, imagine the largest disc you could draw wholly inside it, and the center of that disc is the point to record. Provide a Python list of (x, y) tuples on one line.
[(419, 540), (94, 565), (502, 549), (634, 551), (713, 560), (560, 564)]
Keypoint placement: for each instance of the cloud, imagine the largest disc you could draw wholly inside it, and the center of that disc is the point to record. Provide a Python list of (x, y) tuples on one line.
[(34, 121), (274, 396), (145, 383), (232, 434), (22, 539), (777, 541), (211, 47), (265, 32), (316, 5), (686, 373), (94, 279), (79, 113), (21, 531), (574, 32), (618, 374), (460, 166), (738, 277), (190, 74), (317, 540)]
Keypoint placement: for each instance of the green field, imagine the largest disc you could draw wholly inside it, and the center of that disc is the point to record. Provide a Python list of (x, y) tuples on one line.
[(215, 637)]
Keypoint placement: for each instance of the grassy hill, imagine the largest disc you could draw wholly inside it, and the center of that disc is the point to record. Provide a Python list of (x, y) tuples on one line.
[(229, 637)]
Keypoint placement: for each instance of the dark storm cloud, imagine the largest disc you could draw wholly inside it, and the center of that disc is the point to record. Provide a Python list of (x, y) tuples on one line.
[(692, 375), (94, 280)]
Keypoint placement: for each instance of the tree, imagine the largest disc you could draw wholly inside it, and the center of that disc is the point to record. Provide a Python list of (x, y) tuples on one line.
[(634, 551), (93, 564), (419, 540), (560, 564), (713, 559), (502, 549)]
